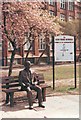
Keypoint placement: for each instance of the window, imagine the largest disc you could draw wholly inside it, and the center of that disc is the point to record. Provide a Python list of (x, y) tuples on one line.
[(52, 2), (62, 4), (70, 18), (42, 44), (52, 13), (71, 5), (27, 45), (62, 17), (10, 47)]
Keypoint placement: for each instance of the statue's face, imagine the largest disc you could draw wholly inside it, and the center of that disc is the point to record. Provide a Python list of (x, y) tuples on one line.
[(27, 65)]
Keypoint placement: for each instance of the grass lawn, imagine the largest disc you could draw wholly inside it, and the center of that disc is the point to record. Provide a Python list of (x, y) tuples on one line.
[(61, 72)]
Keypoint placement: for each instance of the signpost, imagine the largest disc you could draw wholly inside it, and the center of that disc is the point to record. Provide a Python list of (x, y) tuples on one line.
[(53, 62), (64, 49)]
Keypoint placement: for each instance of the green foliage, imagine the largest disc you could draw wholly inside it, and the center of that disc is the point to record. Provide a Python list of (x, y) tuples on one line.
[(71, 27)]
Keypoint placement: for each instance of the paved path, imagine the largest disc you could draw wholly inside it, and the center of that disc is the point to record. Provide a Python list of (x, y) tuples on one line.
[(66, 106)]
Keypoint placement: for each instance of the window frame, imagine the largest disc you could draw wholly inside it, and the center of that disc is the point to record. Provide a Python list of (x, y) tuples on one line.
[(71, 5), (10, 47), (62, 16), (52, 2), (27, 45), (62, 4), (42, 43), (52, 13)]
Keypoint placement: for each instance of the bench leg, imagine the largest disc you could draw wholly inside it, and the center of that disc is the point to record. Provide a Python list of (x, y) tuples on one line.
[(7, 98), (11, 99), (44, 94)]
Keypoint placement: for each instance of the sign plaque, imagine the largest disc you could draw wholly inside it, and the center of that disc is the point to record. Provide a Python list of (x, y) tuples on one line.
[(64, 48)]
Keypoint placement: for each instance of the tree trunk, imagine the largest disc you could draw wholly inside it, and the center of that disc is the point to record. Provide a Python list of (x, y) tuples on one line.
[(40, 56), (11, 62), (4, 22), (48, 53), (28, 51), (47, 48)]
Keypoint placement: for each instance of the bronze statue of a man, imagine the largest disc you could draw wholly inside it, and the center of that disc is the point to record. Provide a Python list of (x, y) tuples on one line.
[(25, 80)]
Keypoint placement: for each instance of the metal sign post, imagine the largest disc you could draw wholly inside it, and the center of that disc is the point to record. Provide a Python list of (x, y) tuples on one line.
[(75, 60), (64, 49), (53, 62)]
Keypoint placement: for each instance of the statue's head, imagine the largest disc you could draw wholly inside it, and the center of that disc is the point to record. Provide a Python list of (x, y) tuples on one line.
[(27, 65)]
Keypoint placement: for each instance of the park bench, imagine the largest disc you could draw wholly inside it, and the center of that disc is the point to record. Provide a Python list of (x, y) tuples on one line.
[(10, 85)]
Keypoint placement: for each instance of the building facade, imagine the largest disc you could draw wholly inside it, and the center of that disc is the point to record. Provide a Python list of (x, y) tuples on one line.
[(65, 11)]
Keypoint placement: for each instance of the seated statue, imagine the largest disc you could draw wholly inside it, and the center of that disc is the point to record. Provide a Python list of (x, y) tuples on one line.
[(28, 82)]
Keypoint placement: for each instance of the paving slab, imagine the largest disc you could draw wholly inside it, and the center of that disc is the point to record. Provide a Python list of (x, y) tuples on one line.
[(66, 106)]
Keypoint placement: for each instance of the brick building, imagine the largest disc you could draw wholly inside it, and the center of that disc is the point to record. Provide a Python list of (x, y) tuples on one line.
[(66, 11)]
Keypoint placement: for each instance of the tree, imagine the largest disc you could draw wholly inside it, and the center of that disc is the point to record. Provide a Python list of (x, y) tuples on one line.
[(20, 18), (72, 28)]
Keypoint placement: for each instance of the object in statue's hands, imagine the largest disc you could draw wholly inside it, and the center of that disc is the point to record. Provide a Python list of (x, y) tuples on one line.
[(35, 80), (34, 83)]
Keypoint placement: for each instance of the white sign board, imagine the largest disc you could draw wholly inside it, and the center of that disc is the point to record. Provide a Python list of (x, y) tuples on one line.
[(64, 48)]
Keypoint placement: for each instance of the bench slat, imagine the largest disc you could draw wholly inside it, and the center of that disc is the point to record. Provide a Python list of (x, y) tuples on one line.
[(44, 85), (19, 89), (9, 81), (11, 85), (11, 90)]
